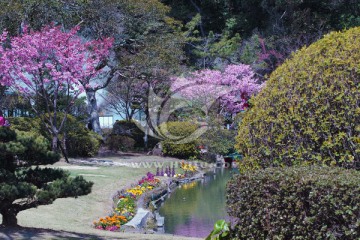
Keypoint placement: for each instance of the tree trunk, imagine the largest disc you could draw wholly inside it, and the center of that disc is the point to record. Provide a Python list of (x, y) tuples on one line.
[(9, 217), (93, 111), (54, 144)]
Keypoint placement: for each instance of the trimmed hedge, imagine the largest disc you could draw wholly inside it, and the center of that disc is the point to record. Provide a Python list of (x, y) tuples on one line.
[(296, 203), (182, 130), (308, 112)]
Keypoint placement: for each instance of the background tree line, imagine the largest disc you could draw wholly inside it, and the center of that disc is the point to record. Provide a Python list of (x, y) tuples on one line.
[(155, 39)]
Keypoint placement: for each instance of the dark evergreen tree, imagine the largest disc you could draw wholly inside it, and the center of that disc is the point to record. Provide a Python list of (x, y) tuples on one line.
[(23, 184)]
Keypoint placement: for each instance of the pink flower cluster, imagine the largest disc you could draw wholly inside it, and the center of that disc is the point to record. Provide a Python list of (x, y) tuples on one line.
[(50, 57), (232, 87)]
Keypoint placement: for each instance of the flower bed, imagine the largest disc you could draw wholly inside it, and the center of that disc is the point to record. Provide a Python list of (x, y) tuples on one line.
[(125, 208), (189, 170), (126, 205)]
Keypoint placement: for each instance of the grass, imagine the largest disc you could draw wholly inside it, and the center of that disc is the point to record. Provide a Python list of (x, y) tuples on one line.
[(77, 215)]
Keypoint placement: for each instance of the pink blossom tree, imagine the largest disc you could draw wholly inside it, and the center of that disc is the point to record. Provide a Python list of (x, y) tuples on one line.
[(44, 64), (231, 88)]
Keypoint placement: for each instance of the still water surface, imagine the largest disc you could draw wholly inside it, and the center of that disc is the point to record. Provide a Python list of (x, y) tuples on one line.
[(193, 208)]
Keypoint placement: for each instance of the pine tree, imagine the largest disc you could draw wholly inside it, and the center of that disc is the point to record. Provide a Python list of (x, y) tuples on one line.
[(23, 184)]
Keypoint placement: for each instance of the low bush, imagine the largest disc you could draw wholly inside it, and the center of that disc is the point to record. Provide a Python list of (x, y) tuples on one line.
[(295, 203), (182, 130), (80, 141), (128, 129), (120, 143), (83, 143)]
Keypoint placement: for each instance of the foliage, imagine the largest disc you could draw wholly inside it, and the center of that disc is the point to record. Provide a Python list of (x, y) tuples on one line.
[(36, 13), (23, 186), (289, 25), (233, 87), (181, 130), (128, 128), (151, 50), (308, 112), (79, 141), (208, 51), (126, 135), (221, 231), (27, 146), (97, 18), (295, 203), (218, 140), (65, 64), (120, 143), (26, 124)]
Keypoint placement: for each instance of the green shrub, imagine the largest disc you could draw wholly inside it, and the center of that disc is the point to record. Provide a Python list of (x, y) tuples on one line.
[(80, 142), (25, 124), (26, 146), (296, 203), (120, 142), (181, 130), (219, 141), (309, 111), (36, 147), (130, 130)]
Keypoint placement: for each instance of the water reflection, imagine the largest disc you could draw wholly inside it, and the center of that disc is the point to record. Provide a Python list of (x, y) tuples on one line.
[(194, 207)]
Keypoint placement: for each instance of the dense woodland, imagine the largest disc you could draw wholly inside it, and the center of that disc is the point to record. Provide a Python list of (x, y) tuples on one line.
[(157, 39)]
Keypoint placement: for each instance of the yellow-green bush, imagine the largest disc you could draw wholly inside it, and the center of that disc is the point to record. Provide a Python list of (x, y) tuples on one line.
[(295, 203), (182, 130), (309, 110), (25, 124)]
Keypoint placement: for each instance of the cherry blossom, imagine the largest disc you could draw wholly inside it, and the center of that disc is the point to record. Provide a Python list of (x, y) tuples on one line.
[(232, 86)]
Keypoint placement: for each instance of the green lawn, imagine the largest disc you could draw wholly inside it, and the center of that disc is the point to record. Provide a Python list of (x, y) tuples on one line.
[(77, 215)]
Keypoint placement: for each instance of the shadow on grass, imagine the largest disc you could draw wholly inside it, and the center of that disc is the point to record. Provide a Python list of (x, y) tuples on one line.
[(109, 153), (12, 233)]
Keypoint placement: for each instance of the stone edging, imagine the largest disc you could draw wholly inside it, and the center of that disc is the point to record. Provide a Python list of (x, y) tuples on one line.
[(143, 213)]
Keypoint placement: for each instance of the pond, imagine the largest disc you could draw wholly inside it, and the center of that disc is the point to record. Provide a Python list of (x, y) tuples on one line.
[(193, 208)]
